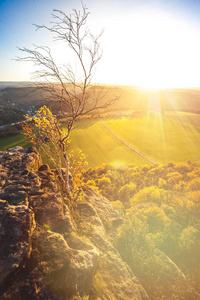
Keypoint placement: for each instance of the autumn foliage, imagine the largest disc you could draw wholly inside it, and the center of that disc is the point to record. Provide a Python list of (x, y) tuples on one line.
[(44, 131), (161, 208)]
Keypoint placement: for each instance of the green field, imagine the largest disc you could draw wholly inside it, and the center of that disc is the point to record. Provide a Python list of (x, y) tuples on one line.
[(12, 141), (184, 117), (100, 146), (160, 137), (173, 137)]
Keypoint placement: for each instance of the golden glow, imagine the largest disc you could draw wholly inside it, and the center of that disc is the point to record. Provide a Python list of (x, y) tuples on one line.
[(148, 48), (154, 101), (151, 50), (118, 164)]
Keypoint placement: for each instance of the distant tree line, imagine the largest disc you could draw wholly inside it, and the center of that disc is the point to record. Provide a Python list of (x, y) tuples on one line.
[(10, 131), (10, 115)]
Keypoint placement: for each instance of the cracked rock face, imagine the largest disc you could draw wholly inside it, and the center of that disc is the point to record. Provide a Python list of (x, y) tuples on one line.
[(17, 221), (36, 261), (65, 270), (114, 279), (17, 224), (48, 253)]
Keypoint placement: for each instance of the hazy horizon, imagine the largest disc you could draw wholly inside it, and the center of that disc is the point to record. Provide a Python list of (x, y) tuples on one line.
[(21, 82)]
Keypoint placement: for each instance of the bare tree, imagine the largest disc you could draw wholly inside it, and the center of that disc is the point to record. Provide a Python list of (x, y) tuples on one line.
[(77, 96)]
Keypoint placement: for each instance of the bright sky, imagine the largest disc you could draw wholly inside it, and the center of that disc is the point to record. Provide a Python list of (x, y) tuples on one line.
[(148, 43)]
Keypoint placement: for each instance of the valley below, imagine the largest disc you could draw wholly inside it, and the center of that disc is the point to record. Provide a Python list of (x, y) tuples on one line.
[(134, 232)]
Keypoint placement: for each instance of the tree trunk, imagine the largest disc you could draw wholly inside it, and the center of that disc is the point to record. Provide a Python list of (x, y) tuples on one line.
[(67, 176)]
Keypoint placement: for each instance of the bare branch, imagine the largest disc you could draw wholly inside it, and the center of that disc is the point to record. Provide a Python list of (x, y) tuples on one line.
[(75, 97)]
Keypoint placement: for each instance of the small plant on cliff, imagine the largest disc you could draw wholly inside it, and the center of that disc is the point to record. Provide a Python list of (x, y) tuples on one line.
[(75, 96), (43, 131)]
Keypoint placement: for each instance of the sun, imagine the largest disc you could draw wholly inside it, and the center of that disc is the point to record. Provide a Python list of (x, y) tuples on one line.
[(152, 50), (156, 84)]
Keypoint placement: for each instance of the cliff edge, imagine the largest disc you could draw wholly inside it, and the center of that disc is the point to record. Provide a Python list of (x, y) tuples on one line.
[(47, 252)]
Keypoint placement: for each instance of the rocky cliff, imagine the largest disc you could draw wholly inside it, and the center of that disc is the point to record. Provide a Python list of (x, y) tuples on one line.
[(47, 252)]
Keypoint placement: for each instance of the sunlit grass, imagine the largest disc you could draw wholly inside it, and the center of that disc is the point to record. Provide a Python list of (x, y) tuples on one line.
[(161, 138), (13, 141), (184, 117), (172, 137), (100, 146)]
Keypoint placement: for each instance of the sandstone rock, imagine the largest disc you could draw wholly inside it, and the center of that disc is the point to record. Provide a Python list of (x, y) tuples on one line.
[(28, 286), (16, 198), (69, 225), (114, 279), (48, 178), (66, 270), (16, 164), (169, 275), (16, 227), (35, 181), (18, 157), (65, 261), (44, 168), (3, 176), (12, 188), (48, 209), (106, 212), (3, 204)]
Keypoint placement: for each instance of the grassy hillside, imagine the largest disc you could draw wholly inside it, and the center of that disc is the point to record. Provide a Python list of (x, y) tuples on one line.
[(100, 146), (155, 136), (184, 117), (12, 141), (133, 140), (159, 137)]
